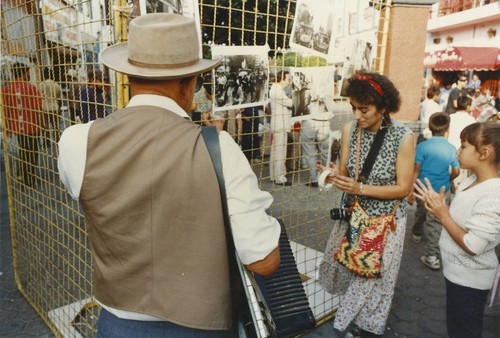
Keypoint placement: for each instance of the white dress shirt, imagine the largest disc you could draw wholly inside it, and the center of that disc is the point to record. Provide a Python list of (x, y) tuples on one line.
[(427, 108)]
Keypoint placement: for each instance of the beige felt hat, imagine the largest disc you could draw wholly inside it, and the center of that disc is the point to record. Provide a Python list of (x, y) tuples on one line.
[(160, 46)]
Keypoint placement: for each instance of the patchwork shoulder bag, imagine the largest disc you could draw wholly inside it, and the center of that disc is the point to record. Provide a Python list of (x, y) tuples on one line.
[(363, 244)]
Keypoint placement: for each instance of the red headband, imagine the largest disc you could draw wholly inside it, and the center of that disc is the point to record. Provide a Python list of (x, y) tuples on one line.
[(372, 83)]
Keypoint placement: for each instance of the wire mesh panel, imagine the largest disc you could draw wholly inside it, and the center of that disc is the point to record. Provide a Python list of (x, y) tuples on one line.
[(51, 78)]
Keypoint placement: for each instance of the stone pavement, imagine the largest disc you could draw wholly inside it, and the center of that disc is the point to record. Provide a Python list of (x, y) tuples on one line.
[(17, 318), (418, 308)]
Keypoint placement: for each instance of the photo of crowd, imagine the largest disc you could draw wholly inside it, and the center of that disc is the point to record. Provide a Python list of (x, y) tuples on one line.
[(241, 79)]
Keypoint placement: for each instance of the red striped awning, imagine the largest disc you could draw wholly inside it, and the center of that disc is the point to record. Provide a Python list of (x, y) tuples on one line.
[(463, 58)]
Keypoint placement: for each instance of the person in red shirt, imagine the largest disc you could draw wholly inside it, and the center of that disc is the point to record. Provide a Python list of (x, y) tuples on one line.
[(22, 109)]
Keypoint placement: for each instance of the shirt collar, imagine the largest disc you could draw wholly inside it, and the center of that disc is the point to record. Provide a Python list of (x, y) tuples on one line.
[(157, 101)]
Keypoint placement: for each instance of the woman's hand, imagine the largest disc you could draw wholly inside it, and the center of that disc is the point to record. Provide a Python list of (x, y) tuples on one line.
[(411, 198), (334, 171), (341, 182), (434, 202), (347, 184)]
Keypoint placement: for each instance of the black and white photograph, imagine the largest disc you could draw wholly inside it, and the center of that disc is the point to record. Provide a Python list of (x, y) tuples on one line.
[(312, 90), (185, 7), (360, 52), (189, 8), (359, 56), (312, 27), (354, 32), (242, 78), (158, 6)]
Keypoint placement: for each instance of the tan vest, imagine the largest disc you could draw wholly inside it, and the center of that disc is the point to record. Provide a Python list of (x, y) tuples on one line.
[(154, 217)]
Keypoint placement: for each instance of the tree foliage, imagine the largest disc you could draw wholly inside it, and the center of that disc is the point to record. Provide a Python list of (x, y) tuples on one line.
[(250, 22), (294, 59)]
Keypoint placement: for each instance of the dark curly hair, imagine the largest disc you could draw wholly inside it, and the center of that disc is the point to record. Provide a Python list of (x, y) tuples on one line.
[(376, 89)]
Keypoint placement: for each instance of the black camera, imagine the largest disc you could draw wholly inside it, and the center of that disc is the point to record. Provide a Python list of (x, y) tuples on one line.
[(340, 213)]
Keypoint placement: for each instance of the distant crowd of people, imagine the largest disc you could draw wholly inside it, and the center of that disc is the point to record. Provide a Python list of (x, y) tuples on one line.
[(34, 113), (484, 105)]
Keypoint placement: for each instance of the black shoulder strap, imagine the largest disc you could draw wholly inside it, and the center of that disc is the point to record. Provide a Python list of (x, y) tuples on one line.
[(372, 154), (211, 137)]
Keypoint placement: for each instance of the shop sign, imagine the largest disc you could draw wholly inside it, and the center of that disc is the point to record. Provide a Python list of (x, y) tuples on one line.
[(463, 58)]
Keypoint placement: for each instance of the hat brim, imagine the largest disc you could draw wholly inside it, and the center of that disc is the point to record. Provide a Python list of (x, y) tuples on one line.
[(116, 58)]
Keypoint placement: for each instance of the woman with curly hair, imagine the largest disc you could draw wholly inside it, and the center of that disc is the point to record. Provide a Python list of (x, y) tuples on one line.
[(367, 301)]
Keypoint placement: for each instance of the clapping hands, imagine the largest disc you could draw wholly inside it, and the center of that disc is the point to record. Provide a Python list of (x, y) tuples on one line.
[(435, 202)]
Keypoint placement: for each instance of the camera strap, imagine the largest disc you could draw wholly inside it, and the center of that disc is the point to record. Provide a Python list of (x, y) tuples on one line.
[(370, 159), (372, 154)]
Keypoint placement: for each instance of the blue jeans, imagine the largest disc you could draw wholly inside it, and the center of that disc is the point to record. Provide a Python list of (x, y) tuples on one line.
[(464, 310), (110, 326)]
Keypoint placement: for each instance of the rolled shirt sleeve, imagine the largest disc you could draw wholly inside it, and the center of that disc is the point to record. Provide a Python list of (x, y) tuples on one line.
[(255, 233), (72, 157)]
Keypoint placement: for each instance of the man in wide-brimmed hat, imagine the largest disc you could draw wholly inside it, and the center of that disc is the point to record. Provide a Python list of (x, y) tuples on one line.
[(151, 199)]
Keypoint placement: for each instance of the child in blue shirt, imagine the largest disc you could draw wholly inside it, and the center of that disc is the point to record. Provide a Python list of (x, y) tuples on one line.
[(433, 159)]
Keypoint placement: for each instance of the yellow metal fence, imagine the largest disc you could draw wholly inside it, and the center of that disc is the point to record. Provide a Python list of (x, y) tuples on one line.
[(52, 259)]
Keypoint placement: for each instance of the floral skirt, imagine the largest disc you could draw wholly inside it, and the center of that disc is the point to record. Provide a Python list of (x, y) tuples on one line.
[(367, 301)]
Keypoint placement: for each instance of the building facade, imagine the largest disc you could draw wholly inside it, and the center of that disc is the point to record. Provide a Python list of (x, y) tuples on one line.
[(464, 36)]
